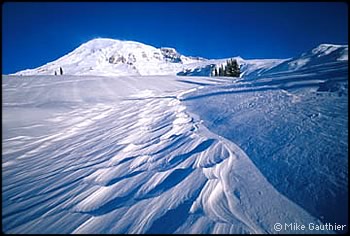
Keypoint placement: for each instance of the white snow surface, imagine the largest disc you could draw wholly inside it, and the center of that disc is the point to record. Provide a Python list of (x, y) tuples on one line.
[(171, 154)]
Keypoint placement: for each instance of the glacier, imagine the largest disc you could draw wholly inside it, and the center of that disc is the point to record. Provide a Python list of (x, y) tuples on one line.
[(153, 152)]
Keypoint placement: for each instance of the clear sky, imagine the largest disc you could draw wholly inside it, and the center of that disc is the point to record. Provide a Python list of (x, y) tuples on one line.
[(36, 33)]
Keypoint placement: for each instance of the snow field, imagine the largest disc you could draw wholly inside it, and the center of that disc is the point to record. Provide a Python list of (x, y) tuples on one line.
[(130, 165)]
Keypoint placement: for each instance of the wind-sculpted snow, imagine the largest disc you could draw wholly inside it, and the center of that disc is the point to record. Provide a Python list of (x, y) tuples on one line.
[(294, 127), (124, 155)]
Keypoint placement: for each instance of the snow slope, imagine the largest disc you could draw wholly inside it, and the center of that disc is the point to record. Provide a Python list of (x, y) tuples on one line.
[(293, 125), (84, 154), (326, 57)]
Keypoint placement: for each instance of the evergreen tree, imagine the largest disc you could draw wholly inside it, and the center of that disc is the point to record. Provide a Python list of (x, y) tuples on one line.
[(61, 71), (236, 69), (212, 70), (229, 68), (221, 70)]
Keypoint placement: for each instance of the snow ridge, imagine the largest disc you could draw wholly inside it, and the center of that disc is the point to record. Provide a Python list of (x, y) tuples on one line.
[(325, 56)]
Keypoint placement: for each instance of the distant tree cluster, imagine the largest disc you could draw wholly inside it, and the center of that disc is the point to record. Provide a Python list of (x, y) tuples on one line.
[(231, 69), (61, 71)]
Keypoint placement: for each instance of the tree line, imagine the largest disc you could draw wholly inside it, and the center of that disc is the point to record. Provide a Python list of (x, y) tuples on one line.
[(230, 69)]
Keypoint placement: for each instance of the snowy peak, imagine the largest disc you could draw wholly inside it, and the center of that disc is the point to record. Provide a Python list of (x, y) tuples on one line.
[(98, 43), (115, 57)]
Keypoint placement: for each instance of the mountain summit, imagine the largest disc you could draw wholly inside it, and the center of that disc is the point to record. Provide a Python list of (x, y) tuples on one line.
[(103, 56)]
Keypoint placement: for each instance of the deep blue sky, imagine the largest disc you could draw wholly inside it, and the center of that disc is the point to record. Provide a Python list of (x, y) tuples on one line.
[(36, 33)]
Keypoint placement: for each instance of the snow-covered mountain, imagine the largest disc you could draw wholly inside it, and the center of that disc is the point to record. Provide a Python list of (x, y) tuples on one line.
[(112, 57), (115, 57)]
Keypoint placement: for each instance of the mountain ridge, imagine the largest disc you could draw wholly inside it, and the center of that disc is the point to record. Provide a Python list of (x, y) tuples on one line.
[(113, 57)]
